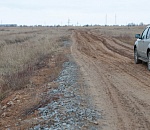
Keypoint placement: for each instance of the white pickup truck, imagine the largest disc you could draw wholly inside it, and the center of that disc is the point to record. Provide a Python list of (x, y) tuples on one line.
[(142, 47)]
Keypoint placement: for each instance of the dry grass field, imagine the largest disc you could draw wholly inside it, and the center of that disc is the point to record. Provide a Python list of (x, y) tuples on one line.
[(29, 59), (21, 49), (123, 33)]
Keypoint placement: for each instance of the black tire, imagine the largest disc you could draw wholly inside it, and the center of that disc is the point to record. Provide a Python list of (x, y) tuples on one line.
[(136, 57), (148, 63)]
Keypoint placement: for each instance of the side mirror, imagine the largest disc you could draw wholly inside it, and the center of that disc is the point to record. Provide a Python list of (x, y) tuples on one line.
[(138, 36)]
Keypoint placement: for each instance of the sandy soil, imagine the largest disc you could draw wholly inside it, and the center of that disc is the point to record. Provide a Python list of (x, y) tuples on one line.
[(118, 87)]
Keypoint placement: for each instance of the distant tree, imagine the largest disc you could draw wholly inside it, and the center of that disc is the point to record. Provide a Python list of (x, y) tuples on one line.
[(58, 26), (131, 24), (86, 25), (141, 24)]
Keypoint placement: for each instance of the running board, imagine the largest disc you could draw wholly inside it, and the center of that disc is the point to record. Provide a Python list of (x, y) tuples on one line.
[(143, 59)]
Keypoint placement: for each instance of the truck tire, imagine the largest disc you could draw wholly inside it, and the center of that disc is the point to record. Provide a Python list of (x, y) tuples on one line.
[(148, 63), (136, 60)]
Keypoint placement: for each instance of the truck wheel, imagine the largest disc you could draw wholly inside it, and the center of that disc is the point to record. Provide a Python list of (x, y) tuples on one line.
[(148, 63), (136, 60)]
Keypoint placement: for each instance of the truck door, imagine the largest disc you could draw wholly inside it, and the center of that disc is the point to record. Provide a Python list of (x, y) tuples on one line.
[(146, 43), (141, 43)]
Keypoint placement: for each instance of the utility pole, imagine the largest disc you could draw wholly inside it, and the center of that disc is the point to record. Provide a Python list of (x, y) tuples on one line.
[(68, 21), (106, 20), (115, 19)]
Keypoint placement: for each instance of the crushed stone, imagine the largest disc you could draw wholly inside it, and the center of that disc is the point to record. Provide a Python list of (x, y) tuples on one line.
[(68, 112)]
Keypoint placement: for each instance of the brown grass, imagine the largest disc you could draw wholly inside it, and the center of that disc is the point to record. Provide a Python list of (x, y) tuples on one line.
[(123, 33), (21, 49)]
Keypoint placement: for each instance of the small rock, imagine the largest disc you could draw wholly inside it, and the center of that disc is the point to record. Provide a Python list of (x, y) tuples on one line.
[(96, 123), (10, 103), (18, 101), (17, 124), (8, 110), (7, 126), (64, 124), (49, 87), (3, 115), (42, 109), (16, 97), (37, 127), (49, 84), (4, 107)]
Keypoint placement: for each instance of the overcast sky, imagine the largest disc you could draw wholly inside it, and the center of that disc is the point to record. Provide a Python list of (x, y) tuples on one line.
[(54, 12)]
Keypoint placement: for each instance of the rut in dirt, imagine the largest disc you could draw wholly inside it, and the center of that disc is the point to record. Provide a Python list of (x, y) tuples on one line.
[(118, 86)]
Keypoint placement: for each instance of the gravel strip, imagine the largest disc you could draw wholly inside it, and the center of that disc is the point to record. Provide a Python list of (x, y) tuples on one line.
[(71, 111)]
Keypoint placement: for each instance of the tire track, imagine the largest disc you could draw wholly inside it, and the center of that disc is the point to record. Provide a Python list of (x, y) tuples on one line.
[(113, 48), (110, 72)]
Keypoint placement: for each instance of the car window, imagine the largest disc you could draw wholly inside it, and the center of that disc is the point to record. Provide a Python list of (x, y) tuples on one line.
[(144, 34), (148, 34)]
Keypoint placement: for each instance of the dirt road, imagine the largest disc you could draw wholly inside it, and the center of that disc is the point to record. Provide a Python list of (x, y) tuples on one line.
[(118, 87)]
